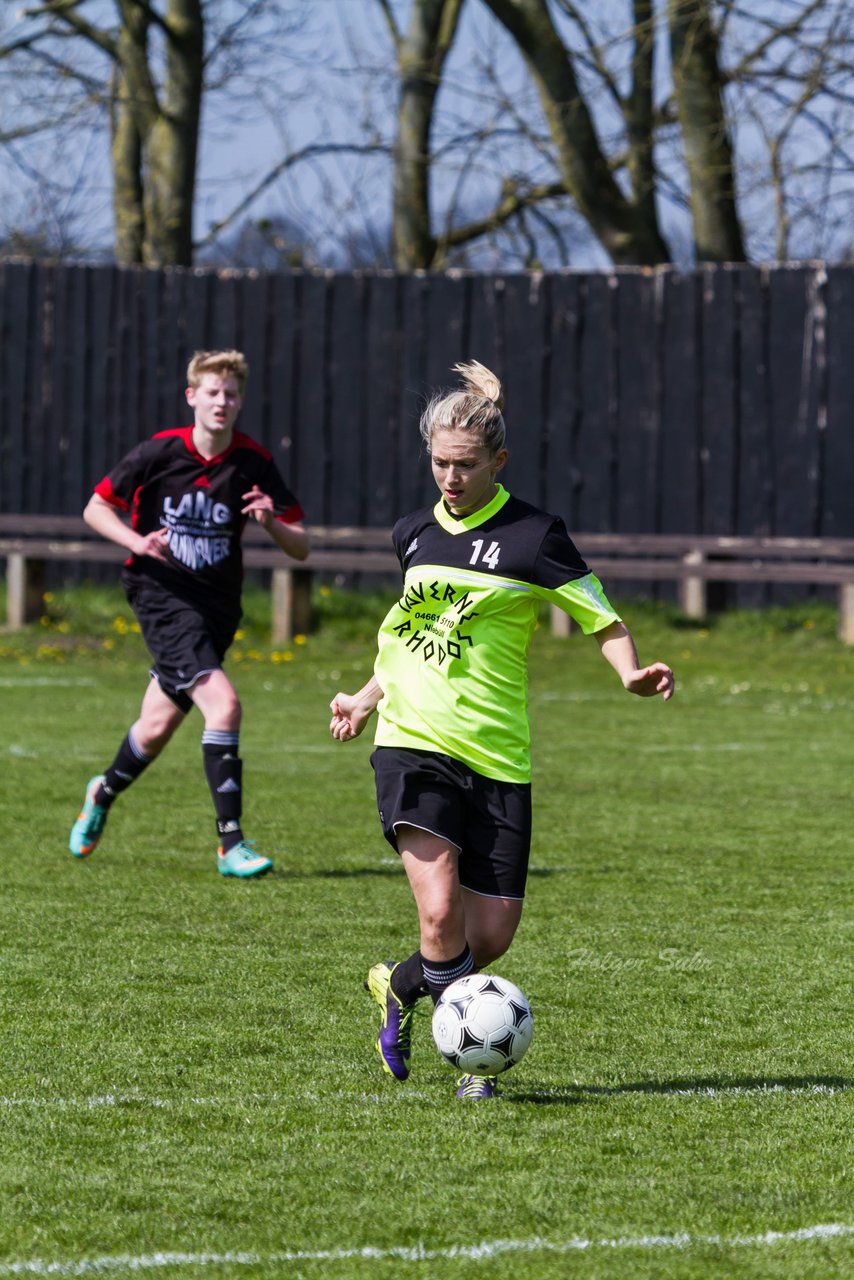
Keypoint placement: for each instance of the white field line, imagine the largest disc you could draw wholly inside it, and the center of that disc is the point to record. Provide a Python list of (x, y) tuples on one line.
[(458, 1252), (95, 1101), (53, 682)]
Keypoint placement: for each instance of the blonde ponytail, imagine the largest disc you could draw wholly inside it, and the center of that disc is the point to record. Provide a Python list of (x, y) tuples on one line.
[(475, 409)]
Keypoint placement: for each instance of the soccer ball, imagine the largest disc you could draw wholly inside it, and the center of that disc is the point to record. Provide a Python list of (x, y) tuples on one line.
[(482, 1024)]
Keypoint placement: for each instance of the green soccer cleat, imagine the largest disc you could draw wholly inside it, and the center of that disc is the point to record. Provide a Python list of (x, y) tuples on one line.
[(242, 861), (395, 1038), (473, 1088), (87, 830)]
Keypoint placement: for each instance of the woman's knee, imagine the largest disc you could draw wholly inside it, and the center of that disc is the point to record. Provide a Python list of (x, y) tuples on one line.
[(441, 920)]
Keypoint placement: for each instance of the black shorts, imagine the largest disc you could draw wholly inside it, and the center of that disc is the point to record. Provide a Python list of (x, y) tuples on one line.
[(184, 642), (488, 821)]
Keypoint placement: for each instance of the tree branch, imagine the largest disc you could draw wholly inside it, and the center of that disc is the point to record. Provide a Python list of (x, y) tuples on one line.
[(297, 157)]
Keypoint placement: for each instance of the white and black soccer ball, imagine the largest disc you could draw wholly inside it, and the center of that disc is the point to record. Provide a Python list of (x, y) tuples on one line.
[(482, 1024)]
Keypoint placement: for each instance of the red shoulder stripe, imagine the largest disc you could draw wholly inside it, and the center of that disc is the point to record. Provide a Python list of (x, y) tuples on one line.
[(105, 490)]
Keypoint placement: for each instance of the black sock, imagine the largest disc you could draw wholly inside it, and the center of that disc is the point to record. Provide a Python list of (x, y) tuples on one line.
[(439, 974), (224, 772), (407, 980), (125, 769)]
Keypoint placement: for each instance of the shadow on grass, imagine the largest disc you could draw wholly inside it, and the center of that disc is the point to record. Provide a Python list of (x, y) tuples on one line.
[(576, 1094), (342, 873)]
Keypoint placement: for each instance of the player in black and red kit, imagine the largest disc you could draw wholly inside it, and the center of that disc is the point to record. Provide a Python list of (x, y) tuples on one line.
[(189, 493)]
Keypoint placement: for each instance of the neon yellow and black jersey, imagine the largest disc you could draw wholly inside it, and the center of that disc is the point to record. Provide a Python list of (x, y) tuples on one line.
[(453, 651)]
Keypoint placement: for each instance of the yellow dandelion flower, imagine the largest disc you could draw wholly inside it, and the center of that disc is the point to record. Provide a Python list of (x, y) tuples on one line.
[(300, 639)]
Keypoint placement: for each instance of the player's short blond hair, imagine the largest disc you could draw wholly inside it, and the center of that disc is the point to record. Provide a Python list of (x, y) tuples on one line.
[(476, 408), (223, 363)]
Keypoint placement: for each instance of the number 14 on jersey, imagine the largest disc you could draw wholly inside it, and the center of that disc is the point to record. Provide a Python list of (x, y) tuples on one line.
[(489, 557)]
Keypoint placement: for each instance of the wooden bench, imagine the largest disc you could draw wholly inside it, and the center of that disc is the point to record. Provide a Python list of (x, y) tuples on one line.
[(30, 542)]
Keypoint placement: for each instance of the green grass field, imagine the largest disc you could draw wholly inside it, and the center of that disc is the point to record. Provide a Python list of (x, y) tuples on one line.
[(189, 1085)]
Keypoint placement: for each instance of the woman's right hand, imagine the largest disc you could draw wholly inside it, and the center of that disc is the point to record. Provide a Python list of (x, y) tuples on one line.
[(349, 716)]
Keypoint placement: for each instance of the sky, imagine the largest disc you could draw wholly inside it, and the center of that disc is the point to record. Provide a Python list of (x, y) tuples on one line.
[(327, 76)]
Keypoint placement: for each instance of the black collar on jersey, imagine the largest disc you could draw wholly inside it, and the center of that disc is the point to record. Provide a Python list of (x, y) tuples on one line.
[(463, 523)]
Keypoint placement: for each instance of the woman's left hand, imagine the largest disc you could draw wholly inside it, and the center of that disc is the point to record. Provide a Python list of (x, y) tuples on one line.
[(647, 682)]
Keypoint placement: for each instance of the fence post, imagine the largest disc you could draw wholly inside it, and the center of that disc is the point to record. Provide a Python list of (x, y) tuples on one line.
[(562, 624), (25, 581), (846, 613), (291, 604), (692, 590)]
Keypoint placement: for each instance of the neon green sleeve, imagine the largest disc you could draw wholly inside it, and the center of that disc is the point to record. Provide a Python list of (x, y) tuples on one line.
[(585, 602)]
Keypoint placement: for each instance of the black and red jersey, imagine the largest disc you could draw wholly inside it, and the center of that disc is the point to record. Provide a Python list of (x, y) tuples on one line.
[(165, 483)]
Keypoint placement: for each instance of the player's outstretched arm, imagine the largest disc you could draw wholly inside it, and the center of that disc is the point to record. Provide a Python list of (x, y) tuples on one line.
[(618, 648), (104, 519), (291, 538), (352, 711)]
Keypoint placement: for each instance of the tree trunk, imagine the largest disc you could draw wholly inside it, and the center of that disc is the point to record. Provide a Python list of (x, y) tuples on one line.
[(129, 124), (639, 118), (629, 234), (698, 86), (173, 141), (421, 55)]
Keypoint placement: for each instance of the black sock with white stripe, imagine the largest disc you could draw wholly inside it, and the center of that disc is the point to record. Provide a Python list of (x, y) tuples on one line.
[(125, 769), (407, 979), (224, 772), (439, 974)]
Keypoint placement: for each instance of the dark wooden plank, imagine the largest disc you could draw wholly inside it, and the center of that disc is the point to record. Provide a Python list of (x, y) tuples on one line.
[(679, 473), (344, 498), (485, 330), (280, 382), (791, 347), (15, 330), (793, 337), (596, 460), (527, 321), (201, 287), (381, 375), (838, 477), (222, 328), (719, 442), (754, 501), (312, 464), (638, 417), (32, 423), (100, 376), (562, 476), (447, 325), (174, 348), (50, 465), (151, 373), (412, 461), (253, 292)]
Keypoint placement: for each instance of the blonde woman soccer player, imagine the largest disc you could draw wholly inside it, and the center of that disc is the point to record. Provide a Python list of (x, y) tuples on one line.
[(452, 756), (190, 493)]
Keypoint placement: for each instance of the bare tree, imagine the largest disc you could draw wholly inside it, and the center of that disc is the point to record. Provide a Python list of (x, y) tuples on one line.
[(434, 133), (145, 67), (698, 91)]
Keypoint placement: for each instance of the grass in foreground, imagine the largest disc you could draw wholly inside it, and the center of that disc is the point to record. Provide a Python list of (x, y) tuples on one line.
[(187, 1062)]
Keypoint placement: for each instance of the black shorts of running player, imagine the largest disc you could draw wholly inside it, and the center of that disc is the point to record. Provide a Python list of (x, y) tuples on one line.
[(488, 821), (184, 642)]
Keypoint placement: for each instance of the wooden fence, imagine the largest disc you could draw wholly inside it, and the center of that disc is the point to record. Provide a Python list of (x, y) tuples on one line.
[(718, 401)]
